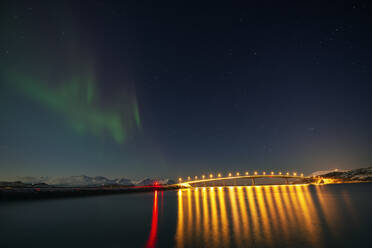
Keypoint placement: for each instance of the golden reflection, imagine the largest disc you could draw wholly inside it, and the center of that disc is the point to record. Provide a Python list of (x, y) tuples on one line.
[(224, 220), (257, 216), (265, 221), (244, 213), (271, 210), (214, 218), (197, 213), (281, 217), (235, 215), (179, 232), (189, 215), (205, 217), (305, 215), (253, 213), (290, 196)]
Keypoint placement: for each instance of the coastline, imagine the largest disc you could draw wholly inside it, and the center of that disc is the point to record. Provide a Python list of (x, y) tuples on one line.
[(7, 193)]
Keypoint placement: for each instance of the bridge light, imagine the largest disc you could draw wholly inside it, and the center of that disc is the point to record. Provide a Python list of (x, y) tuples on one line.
[(287, 173), (247, 173), (180, 179), (229, 174), (203, 176), (189, 178), (263, 173), (196, 177), (294, 174), (272, 173), (302, 174), (219, 175), (255, 172), (237, 173), (280, 173), (211, 175)]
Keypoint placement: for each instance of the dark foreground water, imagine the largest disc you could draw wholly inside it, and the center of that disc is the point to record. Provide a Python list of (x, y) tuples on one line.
[(261, 216)]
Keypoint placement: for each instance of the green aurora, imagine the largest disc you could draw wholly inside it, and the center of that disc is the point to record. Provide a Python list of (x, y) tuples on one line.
[(78, 101), (60, 75)]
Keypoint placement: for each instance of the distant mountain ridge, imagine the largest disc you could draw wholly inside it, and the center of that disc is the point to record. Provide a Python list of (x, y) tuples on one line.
[(84, 180), (362, 174), (318, 173)]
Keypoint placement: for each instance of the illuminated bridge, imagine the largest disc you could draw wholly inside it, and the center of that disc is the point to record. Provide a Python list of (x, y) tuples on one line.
[(240, 178)]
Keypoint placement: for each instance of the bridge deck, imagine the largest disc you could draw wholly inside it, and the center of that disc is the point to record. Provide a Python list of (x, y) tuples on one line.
[(244, 177)]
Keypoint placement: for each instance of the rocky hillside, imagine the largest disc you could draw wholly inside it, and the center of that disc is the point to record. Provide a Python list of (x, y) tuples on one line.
[(362, 174)]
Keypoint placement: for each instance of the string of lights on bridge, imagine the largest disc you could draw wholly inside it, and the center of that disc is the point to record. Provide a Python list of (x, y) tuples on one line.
[(237, 174)]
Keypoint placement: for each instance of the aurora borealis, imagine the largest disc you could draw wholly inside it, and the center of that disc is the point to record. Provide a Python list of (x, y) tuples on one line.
[(166, 89), (69, 85), (77, 101)]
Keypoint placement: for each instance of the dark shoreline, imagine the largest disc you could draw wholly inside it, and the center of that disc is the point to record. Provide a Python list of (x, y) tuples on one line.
[(61, 192)]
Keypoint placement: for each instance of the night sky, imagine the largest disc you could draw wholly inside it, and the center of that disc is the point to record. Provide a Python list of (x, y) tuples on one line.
[(149, 88)]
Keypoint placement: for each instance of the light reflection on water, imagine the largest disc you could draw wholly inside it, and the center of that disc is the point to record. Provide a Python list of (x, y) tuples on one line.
[(256, 216), (337, 215)]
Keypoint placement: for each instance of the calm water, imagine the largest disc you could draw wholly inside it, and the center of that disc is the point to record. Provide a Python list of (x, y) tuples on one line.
[(262, 216)]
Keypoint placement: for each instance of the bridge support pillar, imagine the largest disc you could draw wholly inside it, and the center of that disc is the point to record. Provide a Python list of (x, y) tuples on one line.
[(286, 180), (253, 183)]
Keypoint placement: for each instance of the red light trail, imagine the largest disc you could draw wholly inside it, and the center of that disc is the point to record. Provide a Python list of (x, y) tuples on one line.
[(151, 242)]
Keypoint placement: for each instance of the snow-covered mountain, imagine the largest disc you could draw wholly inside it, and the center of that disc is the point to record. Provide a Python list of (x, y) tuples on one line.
[(123, 181), (362, 174), (80, 181), (318, 173), (151, 181), (83, 181)]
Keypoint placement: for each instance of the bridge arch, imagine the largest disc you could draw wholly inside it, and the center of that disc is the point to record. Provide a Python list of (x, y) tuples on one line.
[(220, 180)]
